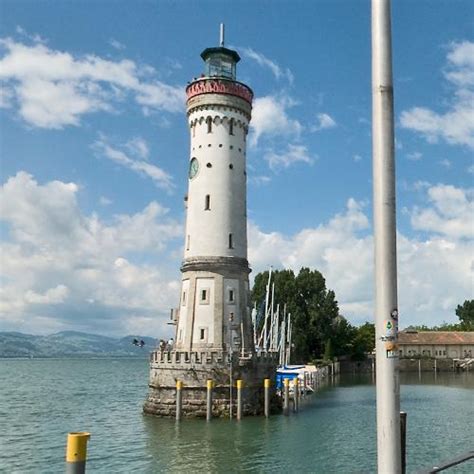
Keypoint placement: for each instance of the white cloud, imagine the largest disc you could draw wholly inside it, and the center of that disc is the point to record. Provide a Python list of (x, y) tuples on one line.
[(456, 125), (338, 249), (357, 158), (461, 63), (270, 118), (139, 148), (445, 163), (54, 89), (324, 121), (263, 61), (434, 274), (415, 156), (451, 214), (116, 44), (104, 201), (260, 180), (293, 154), (62, 269), (31, 37), (54, 295)]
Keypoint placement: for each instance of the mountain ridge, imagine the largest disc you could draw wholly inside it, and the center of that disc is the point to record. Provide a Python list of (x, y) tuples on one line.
[(15, 344)]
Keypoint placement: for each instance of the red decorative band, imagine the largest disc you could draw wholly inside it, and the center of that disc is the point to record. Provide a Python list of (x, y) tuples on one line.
[(216, 86)]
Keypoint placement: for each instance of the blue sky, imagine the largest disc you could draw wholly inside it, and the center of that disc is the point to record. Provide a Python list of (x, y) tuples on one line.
[(94, 153)]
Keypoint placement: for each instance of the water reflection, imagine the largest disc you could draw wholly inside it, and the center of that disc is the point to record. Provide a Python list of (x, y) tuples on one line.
[(334, 429), (449, 379)]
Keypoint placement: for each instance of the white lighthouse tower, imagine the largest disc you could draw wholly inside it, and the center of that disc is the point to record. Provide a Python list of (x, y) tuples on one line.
[(214, 307), (214, 333)]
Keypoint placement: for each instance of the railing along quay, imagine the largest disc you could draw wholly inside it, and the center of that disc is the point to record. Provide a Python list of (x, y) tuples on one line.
[(450, 463)]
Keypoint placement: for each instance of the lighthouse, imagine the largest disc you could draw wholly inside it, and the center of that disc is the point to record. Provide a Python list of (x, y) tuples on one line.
[(214, 308), (214, 333)]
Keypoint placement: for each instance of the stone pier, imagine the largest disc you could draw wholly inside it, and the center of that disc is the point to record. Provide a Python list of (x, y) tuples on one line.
[(195, 368)]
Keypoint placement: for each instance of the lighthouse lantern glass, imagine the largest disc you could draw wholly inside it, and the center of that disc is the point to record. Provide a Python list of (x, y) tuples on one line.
[(220, 65)]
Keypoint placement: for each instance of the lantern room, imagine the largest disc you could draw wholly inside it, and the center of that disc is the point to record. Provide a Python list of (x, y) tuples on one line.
[(220, 62)]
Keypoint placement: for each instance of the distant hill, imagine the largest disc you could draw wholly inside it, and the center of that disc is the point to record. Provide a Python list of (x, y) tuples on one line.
[(72, 344)]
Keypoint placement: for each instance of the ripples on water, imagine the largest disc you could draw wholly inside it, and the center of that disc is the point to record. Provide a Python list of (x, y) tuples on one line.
[(42, 400)]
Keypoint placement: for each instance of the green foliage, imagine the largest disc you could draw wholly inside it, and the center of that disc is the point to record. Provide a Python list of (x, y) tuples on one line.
[(319, 331), (328, 352), (317, 325), (465, 313), (364, 341)]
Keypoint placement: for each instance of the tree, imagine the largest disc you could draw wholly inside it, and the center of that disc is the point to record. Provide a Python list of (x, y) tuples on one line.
[(364, 341), (465, 313), (314, 310)]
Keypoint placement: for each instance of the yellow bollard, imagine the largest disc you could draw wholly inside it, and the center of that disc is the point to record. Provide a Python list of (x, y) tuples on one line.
[(286, 397), (179, 399), (240, 384), (296, 394), (266, 406), (210, 384), (76, 452)]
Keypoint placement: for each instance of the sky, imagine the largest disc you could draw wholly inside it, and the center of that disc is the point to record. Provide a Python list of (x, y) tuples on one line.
[(94, 151)]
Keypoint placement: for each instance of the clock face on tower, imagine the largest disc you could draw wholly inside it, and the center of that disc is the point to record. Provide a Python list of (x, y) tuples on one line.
[(193, 168)]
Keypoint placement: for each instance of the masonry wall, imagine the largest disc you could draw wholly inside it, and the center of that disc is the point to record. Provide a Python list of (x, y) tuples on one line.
[(194, 370)]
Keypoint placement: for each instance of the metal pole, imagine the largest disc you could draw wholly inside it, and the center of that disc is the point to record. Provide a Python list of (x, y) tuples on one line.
[(230, 369), (179, 399), (76, 452), (403, 436), (288, 359), (267, 294), (209, 400), (386, 312), (222, 32), (231, 402), (286, 397), (239, 399), (266, 388)]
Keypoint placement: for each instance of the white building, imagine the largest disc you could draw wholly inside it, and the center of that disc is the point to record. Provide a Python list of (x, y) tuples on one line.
[(436, 344)]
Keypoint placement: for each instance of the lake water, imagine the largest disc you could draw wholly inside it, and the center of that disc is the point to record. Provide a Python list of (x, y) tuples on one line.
[(42, 400)]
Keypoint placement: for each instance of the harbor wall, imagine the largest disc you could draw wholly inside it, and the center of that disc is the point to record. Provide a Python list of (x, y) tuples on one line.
[(425, 364), (428, 365), (195, 369)]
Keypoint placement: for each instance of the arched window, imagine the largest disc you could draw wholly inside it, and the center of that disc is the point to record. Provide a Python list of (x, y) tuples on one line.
[(231, 243), (209, 124), (207, 203), (231, 126)]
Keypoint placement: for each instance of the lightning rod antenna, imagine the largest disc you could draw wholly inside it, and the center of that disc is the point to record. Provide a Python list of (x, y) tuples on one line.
[(222, 35)]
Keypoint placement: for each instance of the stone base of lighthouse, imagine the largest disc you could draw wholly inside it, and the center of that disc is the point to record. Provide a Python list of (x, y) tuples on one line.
[(195, 368)]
